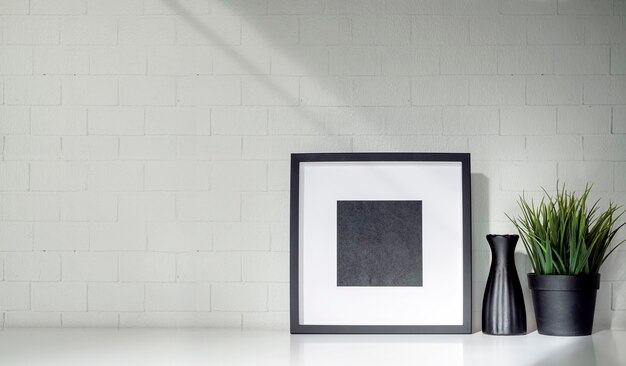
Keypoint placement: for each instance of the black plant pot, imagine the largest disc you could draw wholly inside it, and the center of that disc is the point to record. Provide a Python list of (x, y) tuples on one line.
[(564, 305)]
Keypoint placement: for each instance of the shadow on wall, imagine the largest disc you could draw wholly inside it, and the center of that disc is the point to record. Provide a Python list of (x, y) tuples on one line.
[(614, 270), (333, 104), (522, 264), (213, 38), (480, 249), (278, 89), (480, 210)]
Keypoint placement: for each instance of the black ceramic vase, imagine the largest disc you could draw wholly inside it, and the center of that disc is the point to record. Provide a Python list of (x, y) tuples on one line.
[(503, 304)]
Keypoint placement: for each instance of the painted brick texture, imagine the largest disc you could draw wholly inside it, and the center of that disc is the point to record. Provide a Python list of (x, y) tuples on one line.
[(145, 144)]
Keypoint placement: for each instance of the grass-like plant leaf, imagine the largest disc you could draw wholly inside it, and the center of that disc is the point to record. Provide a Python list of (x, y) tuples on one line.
[(563, 236)]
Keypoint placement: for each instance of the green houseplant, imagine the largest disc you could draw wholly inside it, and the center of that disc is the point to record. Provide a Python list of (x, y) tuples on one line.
[(567, 242)]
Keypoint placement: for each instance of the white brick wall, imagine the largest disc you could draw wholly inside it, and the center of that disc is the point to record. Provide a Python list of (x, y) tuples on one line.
[(141, 267), (116, 296), (89, 267), (59, 297), (16, 60), (144, 150), (208, 267)]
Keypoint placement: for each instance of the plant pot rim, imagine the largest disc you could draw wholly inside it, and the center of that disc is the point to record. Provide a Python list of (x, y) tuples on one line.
[(563, 282), (502, 235)]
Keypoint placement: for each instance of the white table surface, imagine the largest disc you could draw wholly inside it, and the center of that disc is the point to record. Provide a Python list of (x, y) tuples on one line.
[(212, 347)]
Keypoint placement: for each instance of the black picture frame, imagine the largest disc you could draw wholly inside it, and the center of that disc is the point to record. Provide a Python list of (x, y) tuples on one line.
[(296, 327)]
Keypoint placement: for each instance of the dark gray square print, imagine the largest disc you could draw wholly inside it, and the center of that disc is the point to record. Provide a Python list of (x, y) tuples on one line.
[(379, 243)]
